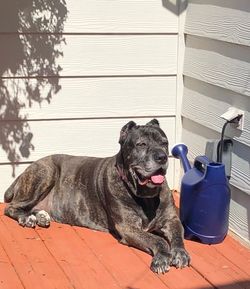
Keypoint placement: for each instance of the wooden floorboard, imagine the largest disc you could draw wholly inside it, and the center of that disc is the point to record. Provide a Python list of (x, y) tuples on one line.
[(238, 255), (177, 278), (217, 269), (8, 274), (127, 269), (63, 256), (78, 262), (33, 263)]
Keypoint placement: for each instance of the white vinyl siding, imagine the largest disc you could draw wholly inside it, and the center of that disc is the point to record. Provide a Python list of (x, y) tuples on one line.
[(113, 61), (216, 76)]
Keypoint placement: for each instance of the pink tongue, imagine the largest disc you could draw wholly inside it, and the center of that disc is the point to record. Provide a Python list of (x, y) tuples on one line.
[(158, 179)]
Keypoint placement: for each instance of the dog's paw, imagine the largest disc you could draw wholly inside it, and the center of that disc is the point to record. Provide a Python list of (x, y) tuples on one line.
[(161, 263), (43, 219), (179, 258), (27, 221)]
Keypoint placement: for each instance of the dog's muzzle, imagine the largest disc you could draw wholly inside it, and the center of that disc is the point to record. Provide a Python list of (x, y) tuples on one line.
[(156, 178)]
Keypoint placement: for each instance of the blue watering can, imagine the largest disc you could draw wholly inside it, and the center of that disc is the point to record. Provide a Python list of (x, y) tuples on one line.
[(204, 198)]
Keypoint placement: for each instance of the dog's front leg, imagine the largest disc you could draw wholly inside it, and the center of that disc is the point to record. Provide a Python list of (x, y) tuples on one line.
[(173, 231), (155, 245)]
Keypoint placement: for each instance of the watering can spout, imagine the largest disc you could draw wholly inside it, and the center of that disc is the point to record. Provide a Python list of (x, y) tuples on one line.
[(180, 151)]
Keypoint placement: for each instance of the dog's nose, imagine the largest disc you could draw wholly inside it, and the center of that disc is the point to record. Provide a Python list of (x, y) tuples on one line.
[(160, 157)]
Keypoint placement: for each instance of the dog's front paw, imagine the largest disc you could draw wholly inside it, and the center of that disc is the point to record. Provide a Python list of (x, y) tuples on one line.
[(161, 263), (27, 221), (179, 258)]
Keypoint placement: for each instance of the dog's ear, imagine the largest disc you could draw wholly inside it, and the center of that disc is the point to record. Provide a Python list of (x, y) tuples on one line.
[(153, 122), (125, 130)]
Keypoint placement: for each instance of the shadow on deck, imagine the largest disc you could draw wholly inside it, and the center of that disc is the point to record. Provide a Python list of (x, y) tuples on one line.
[(72, 257)]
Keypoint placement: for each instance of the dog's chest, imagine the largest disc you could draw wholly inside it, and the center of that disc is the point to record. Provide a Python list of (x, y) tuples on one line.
[(147, 208)]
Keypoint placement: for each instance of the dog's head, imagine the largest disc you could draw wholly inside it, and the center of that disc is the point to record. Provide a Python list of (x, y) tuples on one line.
[(144, 153)]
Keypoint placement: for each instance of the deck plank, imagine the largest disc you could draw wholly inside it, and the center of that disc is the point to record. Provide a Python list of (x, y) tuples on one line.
[(8, 275), (237, 254), (34, 265), (73, 257), (189, 277), (208, 261), (128, 270), (78, 262)]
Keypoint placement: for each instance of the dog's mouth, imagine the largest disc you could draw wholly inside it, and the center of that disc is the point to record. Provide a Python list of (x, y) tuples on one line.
[(157, 178)]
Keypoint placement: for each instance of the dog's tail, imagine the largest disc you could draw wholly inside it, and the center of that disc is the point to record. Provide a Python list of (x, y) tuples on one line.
[(9, 194)]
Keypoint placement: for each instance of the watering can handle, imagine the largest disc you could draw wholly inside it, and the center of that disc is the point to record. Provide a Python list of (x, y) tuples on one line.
[(201, 162)]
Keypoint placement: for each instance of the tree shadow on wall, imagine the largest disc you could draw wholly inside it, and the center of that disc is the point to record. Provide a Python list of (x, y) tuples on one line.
[(175, 6), (31, 42)]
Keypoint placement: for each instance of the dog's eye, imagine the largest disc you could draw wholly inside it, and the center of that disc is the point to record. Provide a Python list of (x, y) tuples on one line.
[(141, 144)]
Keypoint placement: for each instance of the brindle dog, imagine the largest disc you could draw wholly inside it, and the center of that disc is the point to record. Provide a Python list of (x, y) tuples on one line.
[(126, 194)]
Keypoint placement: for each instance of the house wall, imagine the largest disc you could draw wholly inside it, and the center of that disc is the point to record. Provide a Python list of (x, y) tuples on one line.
[(74, 72), (216, 76)]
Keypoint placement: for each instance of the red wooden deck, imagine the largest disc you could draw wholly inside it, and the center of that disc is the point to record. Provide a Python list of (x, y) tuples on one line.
[(71, 257)]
